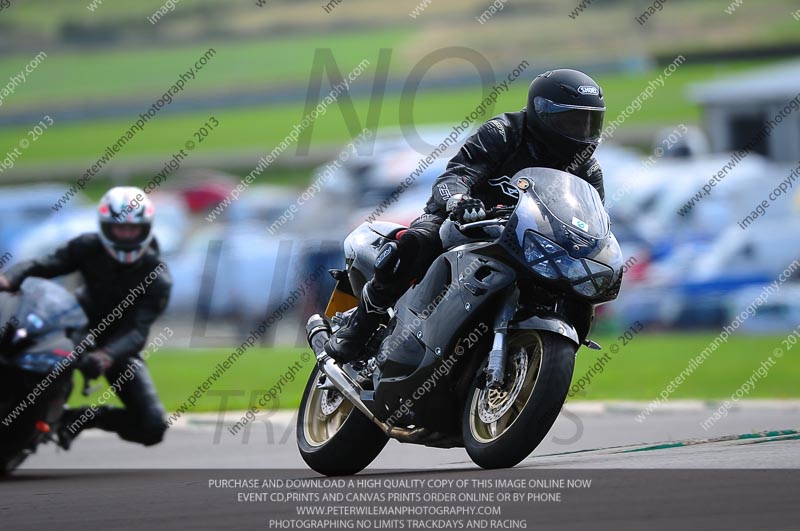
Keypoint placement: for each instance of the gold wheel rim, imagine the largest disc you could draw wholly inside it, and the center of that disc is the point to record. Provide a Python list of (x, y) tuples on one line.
[(527, 344), (319, 427)]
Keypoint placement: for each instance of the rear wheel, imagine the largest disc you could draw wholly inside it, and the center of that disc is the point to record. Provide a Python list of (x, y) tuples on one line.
[(335, 438), (501, 427)]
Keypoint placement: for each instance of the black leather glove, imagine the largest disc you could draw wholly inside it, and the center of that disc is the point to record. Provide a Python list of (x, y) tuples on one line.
[(466, 209), (95, 364)]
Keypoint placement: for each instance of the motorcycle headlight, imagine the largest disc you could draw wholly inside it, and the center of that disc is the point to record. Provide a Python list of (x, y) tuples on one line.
[(532, 252), (538, 250), (546, 269), (571, 268), (601, 274), (586, 288), (588, 278)]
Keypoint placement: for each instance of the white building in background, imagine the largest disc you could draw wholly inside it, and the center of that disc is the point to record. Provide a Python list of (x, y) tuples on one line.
[(737, 108)]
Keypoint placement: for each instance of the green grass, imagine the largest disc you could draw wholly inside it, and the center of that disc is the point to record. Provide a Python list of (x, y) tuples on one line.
[(262, 128), (639, 371), (45, 16), (643, 368), (178, 373), (669, 104), (146, 73), (261, 47)]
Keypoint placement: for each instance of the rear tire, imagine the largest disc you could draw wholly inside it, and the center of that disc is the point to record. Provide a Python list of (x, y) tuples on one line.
[(335, 440), (528, 405)]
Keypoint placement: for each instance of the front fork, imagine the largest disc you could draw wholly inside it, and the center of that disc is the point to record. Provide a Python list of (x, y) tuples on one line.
[(496, 367)]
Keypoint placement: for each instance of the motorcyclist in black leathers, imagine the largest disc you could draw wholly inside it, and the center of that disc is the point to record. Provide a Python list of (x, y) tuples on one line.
[(560, 129), (121, 260)]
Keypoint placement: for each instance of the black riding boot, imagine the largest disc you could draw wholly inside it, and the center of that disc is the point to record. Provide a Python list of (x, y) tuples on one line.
[(74, 421), (348, 343)]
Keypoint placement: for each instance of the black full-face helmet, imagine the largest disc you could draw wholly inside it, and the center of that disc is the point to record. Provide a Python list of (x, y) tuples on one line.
[(565, 114)]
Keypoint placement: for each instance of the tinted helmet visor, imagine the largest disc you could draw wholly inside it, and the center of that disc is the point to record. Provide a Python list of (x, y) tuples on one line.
[(126, 236), (584, 124)]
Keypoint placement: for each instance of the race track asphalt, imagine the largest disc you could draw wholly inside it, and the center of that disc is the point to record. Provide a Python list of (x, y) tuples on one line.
[(663, 473)]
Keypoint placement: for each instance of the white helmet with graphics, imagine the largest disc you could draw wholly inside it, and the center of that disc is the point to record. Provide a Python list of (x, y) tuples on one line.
[(126, 222)]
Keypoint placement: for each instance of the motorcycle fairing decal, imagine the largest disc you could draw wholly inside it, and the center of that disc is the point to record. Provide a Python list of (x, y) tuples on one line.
[(580, 224), (505, 185)]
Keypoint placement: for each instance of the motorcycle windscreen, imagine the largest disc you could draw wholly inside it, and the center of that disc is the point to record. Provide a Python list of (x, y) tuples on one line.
[(567, 210), (570, 200), (45, 306)]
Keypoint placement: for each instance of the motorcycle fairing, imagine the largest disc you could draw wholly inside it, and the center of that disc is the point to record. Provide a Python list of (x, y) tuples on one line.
[(361, 249), (42, 307), (548, 323), (456, 292)]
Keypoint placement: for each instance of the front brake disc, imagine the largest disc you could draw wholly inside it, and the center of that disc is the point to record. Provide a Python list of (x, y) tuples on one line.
[(493, 404), (330, 400)]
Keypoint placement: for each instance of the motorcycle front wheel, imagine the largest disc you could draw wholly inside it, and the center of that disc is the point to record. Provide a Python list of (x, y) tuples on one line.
[(11, 456), (335, 438), (501, 427), (9, 463)]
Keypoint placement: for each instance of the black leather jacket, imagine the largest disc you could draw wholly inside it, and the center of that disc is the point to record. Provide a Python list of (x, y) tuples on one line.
[(483, 167), (106, 285)]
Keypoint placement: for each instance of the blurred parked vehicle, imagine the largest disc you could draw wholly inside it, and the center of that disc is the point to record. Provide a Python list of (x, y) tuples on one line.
[(237, 271), (202, 190), (691, 288), (263, 204), (25, 207), (664, 209), (780, 314), (366, 180)]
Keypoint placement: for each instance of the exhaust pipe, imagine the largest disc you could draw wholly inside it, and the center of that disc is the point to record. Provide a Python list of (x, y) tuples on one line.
[(319, 333)]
